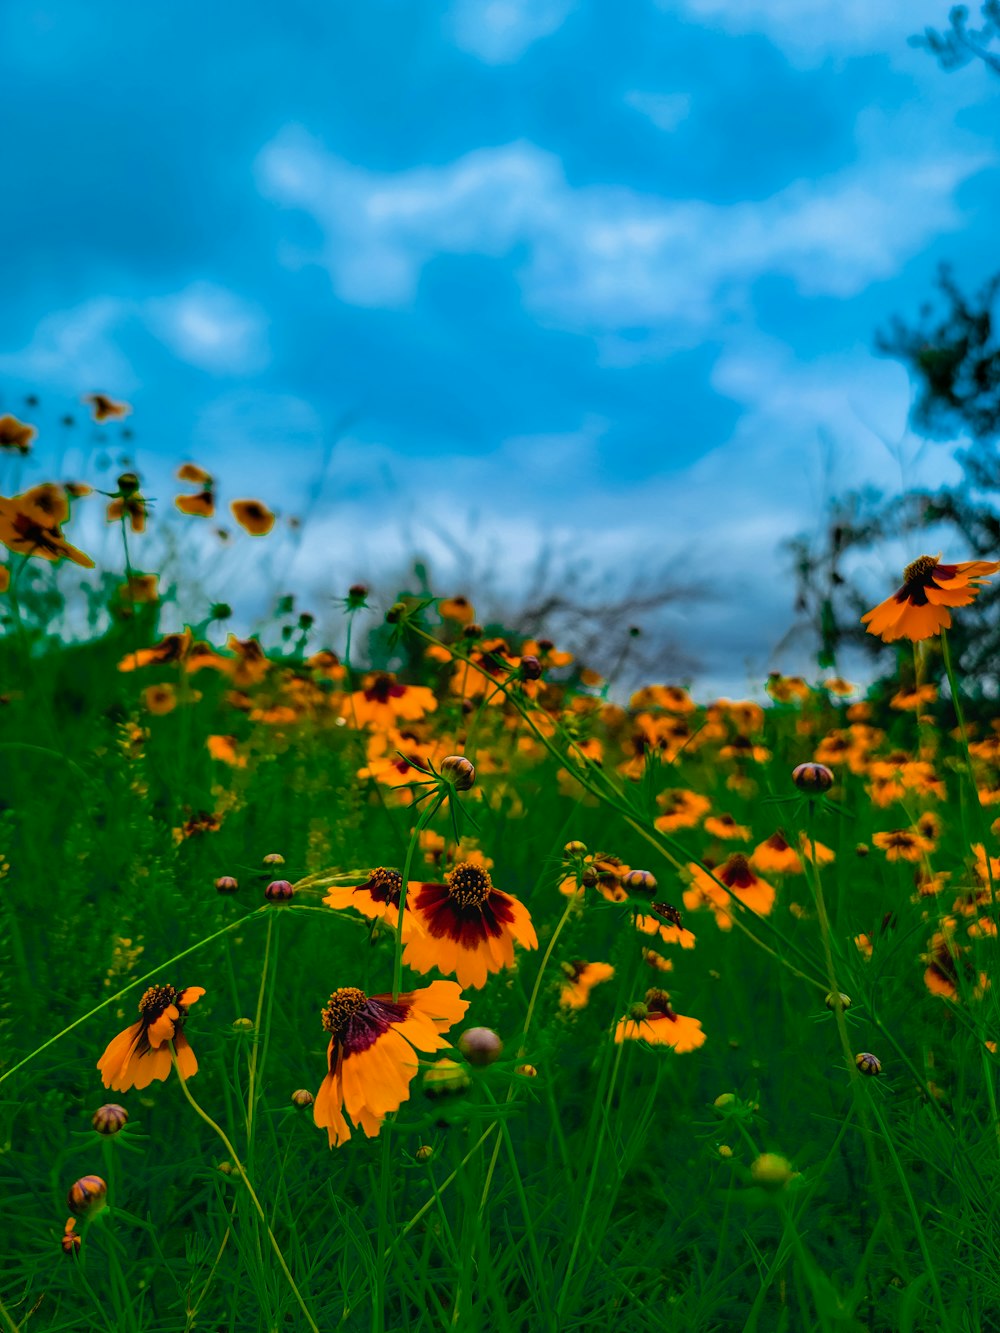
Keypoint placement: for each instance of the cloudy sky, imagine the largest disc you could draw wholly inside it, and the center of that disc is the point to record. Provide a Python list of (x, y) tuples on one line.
[(497, 273)]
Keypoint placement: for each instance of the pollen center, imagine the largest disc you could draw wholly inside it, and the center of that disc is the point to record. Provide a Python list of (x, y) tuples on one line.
[(341, 1008), (384, 885), (156, 1000), (919, 569), (469, 885)]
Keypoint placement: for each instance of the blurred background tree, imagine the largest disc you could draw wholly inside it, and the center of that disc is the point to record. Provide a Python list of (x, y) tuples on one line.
[(952, 353)]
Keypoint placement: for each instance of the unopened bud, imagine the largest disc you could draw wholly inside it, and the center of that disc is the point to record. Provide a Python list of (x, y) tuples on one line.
[(279, 891), (813, 778), (424, 1153), (639, 881), (226, 884), (109, 1119), (480, 1046), (302, 1098), (458, 771), (87, 1195), (531, 668), (868, 1064)]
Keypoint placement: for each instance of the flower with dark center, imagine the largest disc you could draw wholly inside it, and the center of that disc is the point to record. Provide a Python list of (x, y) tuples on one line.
[(87, 1195), (30, 525), (141, 1054), (372, 1054), (253, 516), (919, 609), (469, 927), (377, 898), (581, 977), (655, 1021), (105, 408)]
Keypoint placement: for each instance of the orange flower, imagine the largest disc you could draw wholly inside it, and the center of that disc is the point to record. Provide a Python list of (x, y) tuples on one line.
[(159, 699), (141, 1053), (195, 474), (171, 648), (459, 609), (132, 507), (919, 609), (372, 1055), (774, 854), (672, 698), (469, 927), (16, 434), (382, 699), (913, 698), (139, 588), (223, 750), (726, 827), (30, 525), (200, 505), (581, 977), (377, 898), (105, 408), (253, 516), (683, 809), (737, 875), (902, 844), (656, 1022), (837, 685)]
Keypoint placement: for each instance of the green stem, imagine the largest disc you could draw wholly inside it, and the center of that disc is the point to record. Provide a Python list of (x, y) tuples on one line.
[(202, 1114), (113, 999)]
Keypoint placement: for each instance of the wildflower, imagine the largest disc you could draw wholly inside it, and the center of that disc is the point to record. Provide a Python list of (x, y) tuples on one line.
[(105, 408), (816, 851), (226, 884), (458, 609), (682, 809), (253, 516), (382, 699), (837, 685), (199, 505), (16, 435), (726, 827), (581, 977), (30, 524), (194, 474), (902, 844), (671, 698), (774, 855), (109, 1119), (377, 898), (279, 891), (783, 689), (223, 750), (141, 1053), (302, 1098), (459, 771), (371, 1058), (70, 1241), (159, 699), (656, 1022), (919, 609), (469, 927), (480, 1046), (913, 698), (868, 1064), (738, 875)]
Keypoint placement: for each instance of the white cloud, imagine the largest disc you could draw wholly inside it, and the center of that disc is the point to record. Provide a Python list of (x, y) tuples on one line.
[(812, 30), (500, 31), (210, 328), (76, 350), (665, 110), (600, 259), (86, 346)]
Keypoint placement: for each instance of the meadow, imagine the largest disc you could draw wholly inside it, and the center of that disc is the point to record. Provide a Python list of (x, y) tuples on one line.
[(435, 986)]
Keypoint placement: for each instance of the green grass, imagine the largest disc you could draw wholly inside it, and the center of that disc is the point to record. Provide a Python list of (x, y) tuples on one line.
[(592, 1195)]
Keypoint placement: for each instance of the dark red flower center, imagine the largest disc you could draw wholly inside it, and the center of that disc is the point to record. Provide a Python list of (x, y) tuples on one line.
[(355, 1021), (469, 885), (383, 885), (737, 872), (383, 688), (155, 1001)]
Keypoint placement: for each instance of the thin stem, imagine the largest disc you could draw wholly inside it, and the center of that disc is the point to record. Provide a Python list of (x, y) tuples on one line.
[(246, 1181), (113, 999)]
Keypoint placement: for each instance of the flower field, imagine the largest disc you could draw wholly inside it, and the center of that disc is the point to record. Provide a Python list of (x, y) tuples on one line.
[(422, 980)]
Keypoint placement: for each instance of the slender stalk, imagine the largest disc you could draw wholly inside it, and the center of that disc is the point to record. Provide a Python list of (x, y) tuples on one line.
[(202, 1114)]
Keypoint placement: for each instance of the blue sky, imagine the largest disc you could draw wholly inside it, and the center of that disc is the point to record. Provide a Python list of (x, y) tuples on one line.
[(599, 276)]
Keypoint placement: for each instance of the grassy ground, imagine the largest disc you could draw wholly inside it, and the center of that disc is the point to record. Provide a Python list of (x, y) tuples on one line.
[(760, 1181)]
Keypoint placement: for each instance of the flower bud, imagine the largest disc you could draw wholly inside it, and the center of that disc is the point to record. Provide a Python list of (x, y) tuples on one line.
[(868, 1064), (128, 484), (861, 849), (724, 1100), (226, 884), (831, 1001), (220, 611), (639, 881), (724, 1150), (357, 597), (87, 1195), (472, 631), (273, 859), (302, 1098), (242, 1024), (814, 779), (279, 891), (575, 849), (395, 613), (424, 1153), (526, 1071), (459, 771), (771, 1170), (531, 668), (480, 1046), (445, 1077), (109, 1119)]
